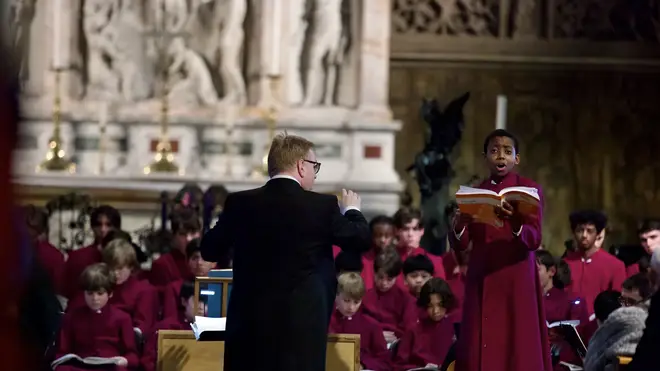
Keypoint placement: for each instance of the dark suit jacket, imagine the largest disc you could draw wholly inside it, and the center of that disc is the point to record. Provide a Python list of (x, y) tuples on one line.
[(284, 277), (646, 355)]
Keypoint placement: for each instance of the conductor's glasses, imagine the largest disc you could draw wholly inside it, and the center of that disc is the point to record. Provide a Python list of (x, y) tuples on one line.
[(317, 165)]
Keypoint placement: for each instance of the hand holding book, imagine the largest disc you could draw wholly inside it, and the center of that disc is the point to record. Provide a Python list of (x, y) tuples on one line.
[(516, 204)]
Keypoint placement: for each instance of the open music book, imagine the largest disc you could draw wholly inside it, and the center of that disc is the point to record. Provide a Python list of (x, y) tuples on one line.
[(209, 329), (570, 366), (568, 330), (481, 203), (575, 322), (92, 361)]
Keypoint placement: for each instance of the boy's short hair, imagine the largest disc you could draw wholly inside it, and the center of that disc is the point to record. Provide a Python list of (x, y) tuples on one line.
[(439, 287), (348, 262), (389, 262), (418, 263), (192, 247), (648, 225), (582, 217), (501, 133), (605, 303), (640, 282), (187, 291), (406, 215), (351, 285), (380, 219), (97, 277), (120, 253), (116, 234), (185, 220), (110, 212)]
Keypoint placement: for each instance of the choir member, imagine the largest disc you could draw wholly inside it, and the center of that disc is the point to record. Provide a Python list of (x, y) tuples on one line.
[(455, 265), (97, 329), (173, 265), (349, 319), (103, 220), (388, 303), (348, 262), (636, 289), (502, 278), (649, 238), (593, 270), (409, 230), (382, 236), (198, 267), (555, 275), (417, 269), (185, 297), (427, 343), (49, 256), (135, 297)]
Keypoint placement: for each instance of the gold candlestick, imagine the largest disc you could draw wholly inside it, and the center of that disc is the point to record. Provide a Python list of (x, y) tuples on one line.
[(55, 157), (270, 115)]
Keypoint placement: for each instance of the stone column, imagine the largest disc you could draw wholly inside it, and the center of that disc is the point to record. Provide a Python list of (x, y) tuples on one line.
[(374, 46)]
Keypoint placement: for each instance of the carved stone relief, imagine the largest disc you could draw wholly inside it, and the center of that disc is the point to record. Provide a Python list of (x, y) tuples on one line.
[(445, 17)]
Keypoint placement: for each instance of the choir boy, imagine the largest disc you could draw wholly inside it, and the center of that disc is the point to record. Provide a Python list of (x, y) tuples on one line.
[(426, 344), (348, 262), (502, 279), (135, 297), (409, 231), (636, 289), (388, 303), (349, 319), (103, 220), (382, 236), (649, 238), (185, 296), (593, 270), (198, 267), (173, 265), (97, 329), (50, 257), (555, 276), (417, 269)]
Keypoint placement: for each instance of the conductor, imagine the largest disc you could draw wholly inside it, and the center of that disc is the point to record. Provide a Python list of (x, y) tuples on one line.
[(281, 237)]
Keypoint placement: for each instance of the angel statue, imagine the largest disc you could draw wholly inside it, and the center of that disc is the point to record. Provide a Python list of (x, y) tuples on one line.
[(433, 168)]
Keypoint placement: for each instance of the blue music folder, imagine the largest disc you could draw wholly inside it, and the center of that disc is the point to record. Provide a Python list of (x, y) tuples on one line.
[(214, 292)]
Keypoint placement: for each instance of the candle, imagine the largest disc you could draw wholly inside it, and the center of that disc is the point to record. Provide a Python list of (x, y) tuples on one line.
[(58, 34), (500, 122), (276, 37)]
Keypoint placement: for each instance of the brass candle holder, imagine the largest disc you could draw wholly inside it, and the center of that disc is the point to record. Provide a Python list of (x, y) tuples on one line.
[(55, 157), (270, 116)]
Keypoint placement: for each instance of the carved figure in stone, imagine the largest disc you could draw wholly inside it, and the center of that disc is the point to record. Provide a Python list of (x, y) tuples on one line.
[(525, 20), (232, 37), (433, 168), (327, 44), (20, 16), (197, 85), (297, 27), (172, 14), (103, 80)]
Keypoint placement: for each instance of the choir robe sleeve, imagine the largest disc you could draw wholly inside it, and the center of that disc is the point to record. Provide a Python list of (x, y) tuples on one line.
[(65, 337), (530, 234), (410, 316), (406, 357), (159, 275), (127, 339), (146, 308), (375, 356), (460, 241), (170, 302)]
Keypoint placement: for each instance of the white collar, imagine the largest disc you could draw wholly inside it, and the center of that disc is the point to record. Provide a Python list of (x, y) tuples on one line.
[(282, 176)]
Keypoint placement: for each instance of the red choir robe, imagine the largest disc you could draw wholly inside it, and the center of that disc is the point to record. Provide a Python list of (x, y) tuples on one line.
[(426, 342), (503, 295), (589, 277), (374, 354), (76, 263), (52, 260), (139, 300), (632, 269), (438, 266), (170, 267), (170, 304), (150, 353), (104, 333), (394, 309), (367, 273), (455, 278), (560, 306)]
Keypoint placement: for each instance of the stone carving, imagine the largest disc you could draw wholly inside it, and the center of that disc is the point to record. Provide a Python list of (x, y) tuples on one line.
[(196, 84), (173, 14), (297, 24), (445, 17), (134, 66), (327, 43), (102, 77), (526, 19), (232, 36), (19, 18)]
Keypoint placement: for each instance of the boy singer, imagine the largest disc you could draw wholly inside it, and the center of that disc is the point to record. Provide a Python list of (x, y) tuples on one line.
[(503, 326)]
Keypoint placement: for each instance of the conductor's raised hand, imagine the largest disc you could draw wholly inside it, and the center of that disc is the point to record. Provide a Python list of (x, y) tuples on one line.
[(349, 200)]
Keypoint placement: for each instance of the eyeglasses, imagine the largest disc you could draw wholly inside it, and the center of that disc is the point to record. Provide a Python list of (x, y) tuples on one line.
[(628, 302), (317, 165)]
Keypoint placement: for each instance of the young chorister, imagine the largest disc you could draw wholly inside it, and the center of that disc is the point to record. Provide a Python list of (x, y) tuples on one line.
[(392, 306), (135, 297), (417, 269), (198, 267), (409, 229), (97, 329), (426, 344), (559, 305), (185, 296), (51, 258), (382, 236), (349, 319)]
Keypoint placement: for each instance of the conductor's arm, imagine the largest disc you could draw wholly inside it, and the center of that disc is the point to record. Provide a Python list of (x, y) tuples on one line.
[(217, 242), (350, 229)]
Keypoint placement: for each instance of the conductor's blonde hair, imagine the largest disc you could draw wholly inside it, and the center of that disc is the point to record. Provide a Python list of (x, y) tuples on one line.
[(285, 151), (351, 285)]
